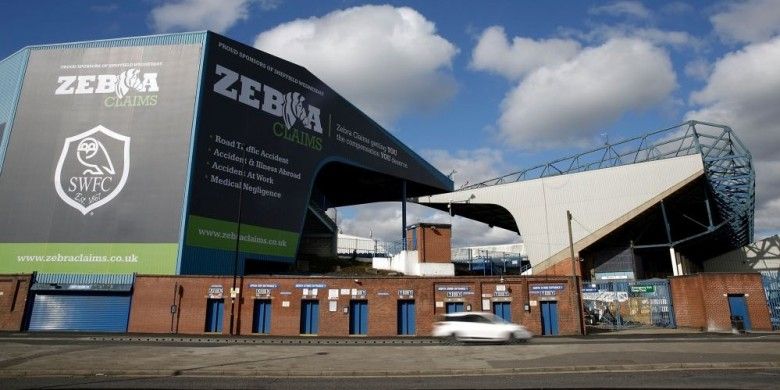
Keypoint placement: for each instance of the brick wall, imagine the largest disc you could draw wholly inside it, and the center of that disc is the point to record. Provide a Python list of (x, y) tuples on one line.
[(434, 242), (701, 300), (562, 268), (13, 297), (150, 311), (153, 296)]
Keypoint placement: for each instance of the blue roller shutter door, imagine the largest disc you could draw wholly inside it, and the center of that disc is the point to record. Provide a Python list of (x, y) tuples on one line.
[(310, 317), (261, 323), (80, 312), (215, 309), (358, 317), (501, 309), (406, 318)]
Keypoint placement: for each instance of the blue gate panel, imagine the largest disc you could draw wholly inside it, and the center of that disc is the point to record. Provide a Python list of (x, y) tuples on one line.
[(358, 317), (549, 311), (310, 317), (80, 312), (215, 309), (771, 281), (738, 308), (261, 322), (453, 307), (406, 317), (502, 309)]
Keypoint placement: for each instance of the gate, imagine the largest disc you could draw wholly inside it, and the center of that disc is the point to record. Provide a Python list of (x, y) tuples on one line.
[(310, 316), (771, 281), (261, 321), (628, 304), (406, 317), (549, 317)]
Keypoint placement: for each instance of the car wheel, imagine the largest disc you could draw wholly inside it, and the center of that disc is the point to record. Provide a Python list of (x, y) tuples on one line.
[(452, 339), (509, 338), (519, 339)]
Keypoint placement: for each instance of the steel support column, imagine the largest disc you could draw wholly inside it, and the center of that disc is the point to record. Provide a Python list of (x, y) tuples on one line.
[(403, 215)]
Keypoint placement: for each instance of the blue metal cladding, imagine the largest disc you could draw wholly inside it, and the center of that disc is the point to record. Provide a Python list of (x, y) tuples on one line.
[(310, 317), (218, 262), (358, 317), (215, 309), (771, 281), (80, 312), (189, 38), (261, 321), (738, 309), (453, 307), (549, 311), (501, 309), (406, 318), (11, 76)]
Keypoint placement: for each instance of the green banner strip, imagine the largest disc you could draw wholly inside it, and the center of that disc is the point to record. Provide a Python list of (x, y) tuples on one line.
[(93, 258), (217, 234)]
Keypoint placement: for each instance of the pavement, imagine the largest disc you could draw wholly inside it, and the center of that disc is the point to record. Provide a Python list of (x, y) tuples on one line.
[(41, 354)]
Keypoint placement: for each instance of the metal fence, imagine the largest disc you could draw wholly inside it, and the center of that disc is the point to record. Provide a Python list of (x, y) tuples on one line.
[(364, 247), (771, 281), (628, 304), (489, 262)]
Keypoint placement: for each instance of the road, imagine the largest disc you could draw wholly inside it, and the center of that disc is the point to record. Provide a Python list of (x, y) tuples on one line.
[(660, 361), (701, 379)]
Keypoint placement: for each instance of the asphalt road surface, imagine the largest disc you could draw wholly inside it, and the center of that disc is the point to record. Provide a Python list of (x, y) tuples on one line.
[(691, 379), (637, 361)]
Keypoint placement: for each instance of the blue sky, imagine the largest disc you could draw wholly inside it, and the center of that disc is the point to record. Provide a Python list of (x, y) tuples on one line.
[(486, 88)]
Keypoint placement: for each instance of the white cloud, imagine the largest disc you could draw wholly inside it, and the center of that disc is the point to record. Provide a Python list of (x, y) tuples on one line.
[(387, 61), (494, 53), (217, 16), (603, 32), (699, 69), (743, 92), (748, 21), (268, 5), (744, 89), (568, 104), (633, 9), (469, 166)]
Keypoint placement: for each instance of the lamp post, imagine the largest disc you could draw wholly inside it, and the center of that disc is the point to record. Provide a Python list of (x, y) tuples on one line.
[(233, 293), (574, 273)]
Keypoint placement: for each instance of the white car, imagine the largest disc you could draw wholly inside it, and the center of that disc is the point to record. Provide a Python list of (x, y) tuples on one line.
[(479, 326)]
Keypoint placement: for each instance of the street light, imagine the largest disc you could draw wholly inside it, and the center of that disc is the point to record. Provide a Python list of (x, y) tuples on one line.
[(233, 292)]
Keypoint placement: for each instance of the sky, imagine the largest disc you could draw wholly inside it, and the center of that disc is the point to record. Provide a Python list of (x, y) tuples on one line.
[(486, 88)]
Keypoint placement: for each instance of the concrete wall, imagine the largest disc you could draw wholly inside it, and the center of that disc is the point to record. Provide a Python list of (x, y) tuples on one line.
[(701, 300), (762, 255), (13, 299), (154, 295), (600, 201)]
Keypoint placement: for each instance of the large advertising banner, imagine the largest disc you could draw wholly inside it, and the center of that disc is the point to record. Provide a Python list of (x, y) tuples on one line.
[(95, 169), (267, 127)]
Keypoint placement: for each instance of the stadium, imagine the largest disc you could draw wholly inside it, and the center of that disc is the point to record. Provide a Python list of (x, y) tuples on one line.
[(180, 183)]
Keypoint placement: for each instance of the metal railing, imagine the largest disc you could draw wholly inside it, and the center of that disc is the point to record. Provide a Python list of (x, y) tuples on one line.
[(728, 167), (365, 247), (490, 262)]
